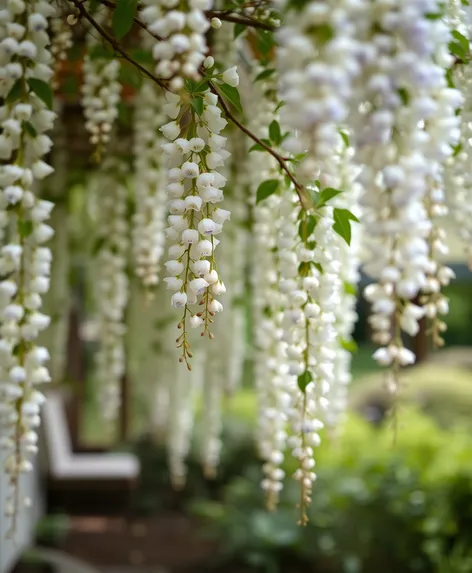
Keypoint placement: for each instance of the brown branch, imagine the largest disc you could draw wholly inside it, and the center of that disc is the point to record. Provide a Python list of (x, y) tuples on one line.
[(225, 15), (304, 199), (115, 45), (246, 21)]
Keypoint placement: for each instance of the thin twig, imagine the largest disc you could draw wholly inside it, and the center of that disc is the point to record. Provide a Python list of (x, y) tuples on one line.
[(304, 199), (246, 21), (115, 45), (225, 15)]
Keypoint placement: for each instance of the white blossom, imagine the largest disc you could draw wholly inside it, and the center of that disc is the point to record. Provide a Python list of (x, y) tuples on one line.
[(24, 260)]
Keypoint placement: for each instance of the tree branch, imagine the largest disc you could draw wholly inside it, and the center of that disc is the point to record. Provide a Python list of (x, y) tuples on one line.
[(225, 15), (114, 44), (305, 201)]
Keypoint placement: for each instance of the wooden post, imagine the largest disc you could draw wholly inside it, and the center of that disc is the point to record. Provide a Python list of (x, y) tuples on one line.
[(75, 374), (124, 419)]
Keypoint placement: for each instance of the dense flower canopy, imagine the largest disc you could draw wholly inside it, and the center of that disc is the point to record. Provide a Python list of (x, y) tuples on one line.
[(276, 148)]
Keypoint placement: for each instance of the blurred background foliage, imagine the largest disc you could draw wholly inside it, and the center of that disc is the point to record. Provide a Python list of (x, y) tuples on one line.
[(378, 507)]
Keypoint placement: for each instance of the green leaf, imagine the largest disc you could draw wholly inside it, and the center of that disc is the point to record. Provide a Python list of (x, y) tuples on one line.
[(342, 223), (265, 41), (403, 95), (197, 104), (321, 33), (42, 90), (434, 16), (450, 78), (326, 195), (130, 76), (30, 129), (274, 132), (303, 269), (232, 95), (349, 345), (463, 41), (318, 267), (304, 379), (345, 137), (142, 56), (238, 30), (101, 52), (264, 74), (306, 227), (124, 114), (16, 91), (266, 189), (257, 147), (456, 149), (349, 288), (123, 15), (457, 50), (25, 228)]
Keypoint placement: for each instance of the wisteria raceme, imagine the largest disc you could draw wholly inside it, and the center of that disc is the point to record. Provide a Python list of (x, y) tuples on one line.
[(345, 311), (317, 64), (25, 262), (194, 189), (61, 42), (404, 141), (100, 91), (111, 281), (459, 171), (149, 218), (311, 281), (182, 47), (57, 300), (268, 304)]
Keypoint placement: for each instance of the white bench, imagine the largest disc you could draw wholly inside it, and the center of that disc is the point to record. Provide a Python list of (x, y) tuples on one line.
[(64, 464)]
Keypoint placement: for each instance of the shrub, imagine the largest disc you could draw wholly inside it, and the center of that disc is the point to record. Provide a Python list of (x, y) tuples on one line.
[(441, 390), (376, 507)]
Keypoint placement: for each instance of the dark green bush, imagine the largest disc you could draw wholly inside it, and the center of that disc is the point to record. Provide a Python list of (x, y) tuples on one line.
[(376, 508)]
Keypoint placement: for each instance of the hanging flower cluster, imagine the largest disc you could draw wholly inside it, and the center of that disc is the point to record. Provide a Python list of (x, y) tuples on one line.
[(181, 28), (149, 219), (272, 382), (345, 312), (100, 91), (61, 42), (459, 173), (406, 137), (194, 189), (111, 280), (24, 260), (349, 114)]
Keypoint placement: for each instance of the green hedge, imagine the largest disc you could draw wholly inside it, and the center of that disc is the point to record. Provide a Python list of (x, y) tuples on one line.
[(377, 508)]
